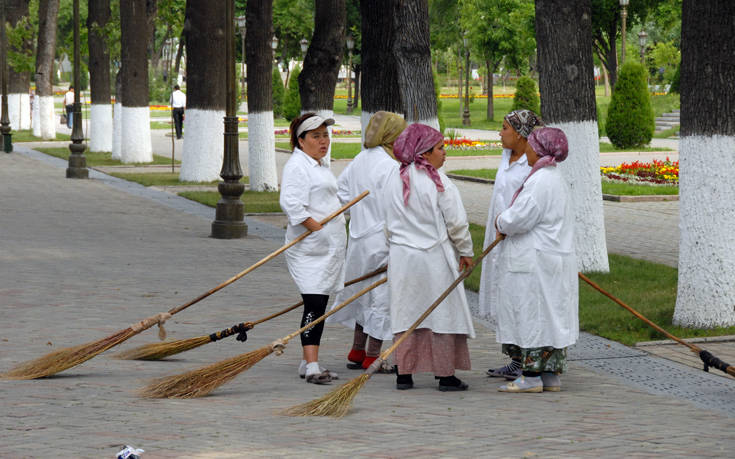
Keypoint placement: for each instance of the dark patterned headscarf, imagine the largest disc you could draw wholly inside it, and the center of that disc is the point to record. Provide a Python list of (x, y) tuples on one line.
[(551, 146), (409, 147), (523, 121)]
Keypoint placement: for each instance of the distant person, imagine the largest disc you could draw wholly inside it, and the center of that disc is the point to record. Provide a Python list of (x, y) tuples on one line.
[(178, 103), (69, 105)]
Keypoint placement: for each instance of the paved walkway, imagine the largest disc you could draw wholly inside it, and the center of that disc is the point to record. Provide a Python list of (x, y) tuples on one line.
[(84, 258)]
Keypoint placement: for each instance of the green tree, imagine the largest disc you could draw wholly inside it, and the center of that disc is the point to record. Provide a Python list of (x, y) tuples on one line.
[(630, 120), (278, 92), (526, 95), (292, 99), (665, 58)]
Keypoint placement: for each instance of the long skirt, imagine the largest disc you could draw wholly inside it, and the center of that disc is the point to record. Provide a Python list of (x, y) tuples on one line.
[(538, 359), (427, 352)]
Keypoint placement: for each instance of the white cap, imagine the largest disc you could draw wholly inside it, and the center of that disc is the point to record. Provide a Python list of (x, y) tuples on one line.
[(312, 123)]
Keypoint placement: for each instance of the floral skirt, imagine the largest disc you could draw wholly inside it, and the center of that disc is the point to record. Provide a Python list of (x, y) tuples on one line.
[(538, 359)]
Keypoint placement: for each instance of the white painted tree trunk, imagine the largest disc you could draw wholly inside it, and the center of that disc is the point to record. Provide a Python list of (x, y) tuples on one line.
[(19, 111), (204, 142), (117, 131), (47, 117), (433, 122), (135, 145), (364, 121), (706, 292), (262, 171), (100, 132), (582, 172), (35, 120)]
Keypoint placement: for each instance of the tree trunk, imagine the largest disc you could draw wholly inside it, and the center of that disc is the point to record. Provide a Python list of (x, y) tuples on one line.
[(134, 34), (318, 79), (179, 53), (706, 293), (19, 82), (564, 37), (379, 78), (206, 96), (117, 118), (490, 91), (44, 120), (259, 56), (100, 135), (358, 77), (459, 82), (412, 48)]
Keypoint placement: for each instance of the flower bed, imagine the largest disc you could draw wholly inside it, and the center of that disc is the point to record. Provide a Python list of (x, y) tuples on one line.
[(335, 132), (461, 143), (654, 173)]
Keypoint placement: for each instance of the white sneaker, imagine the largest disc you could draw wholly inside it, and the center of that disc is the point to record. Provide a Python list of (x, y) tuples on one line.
[(523, 385), (551, 381), (302, 371)]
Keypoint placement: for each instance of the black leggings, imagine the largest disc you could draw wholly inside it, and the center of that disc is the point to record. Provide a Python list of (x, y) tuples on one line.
[(314, 307)]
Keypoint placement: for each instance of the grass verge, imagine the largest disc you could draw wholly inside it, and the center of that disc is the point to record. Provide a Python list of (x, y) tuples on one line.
[(254, 201), (161, 179), (26, 135), (343, 150), (101, 158)]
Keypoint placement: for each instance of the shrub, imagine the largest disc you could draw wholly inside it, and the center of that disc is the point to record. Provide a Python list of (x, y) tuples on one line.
[(292, 99), (437, 92), (675, 81), (630, 120), (526, 96), (278, 91)]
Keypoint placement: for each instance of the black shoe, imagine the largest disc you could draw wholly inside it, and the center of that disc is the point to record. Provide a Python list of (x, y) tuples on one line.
[(404, 382), (451, 384)]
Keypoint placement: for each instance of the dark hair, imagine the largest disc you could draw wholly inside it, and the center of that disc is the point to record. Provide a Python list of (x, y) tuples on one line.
[(71, 87), (176, 86), (295, 127)]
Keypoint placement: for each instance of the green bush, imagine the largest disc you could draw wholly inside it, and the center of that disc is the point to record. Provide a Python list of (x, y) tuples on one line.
[(675, 81), (158, 90), (292, 99), (437, 91), (630, 120), (526, 96), (278, 92)]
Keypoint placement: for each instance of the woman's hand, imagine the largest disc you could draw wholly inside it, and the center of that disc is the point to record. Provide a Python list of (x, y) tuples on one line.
[(311, 224), (465, 263)]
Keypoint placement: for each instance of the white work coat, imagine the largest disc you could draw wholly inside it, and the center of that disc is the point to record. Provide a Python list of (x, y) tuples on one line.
[(510, 176), (367, 249), (538, 288), (426, 238), (309, 189)]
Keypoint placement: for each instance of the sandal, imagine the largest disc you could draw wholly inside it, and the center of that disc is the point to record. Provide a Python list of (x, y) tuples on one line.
[(319, 378)]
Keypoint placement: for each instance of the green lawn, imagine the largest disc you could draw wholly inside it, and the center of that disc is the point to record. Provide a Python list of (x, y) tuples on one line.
[(648, 287), (343, 150), (254, 201), (100, 159), (606, 147), (161, 179), (26, 135)]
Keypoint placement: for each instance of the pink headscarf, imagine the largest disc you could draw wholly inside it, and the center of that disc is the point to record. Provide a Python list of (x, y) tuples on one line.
[(415, 140), (550, 145)]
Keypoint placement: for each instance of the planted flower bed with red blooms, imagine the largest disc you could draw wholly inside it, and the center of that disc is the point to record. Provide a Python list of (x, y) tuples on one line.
[(461, 143), (656, 172)]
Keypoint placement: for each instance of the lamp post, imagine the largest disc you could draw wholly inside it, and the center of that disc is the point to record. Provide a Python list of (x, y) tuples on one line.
[(228, 223), (642, 36), (5, 120), (466, 113), (624, 16), (350, 44), (304, 47), (77, 162), (242, 25), (274, 46)]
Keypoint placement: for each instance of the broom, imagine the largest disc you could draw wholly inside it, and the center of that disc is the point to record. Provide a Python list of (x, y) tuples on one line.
[(63, 359), (337, 403), (708, 359), (157, 351), (202, 381)]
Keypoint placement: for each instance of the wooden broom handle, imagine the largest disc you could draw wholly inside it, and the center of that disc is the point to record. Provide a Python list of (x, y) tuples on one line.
[(639, 315), (268, 258), (374, 367), (300, 303)]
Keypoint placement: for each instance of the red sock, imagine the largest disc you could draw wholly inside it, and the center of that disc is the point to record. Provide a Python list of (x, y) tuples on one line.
[(368, 361), (356, 356)]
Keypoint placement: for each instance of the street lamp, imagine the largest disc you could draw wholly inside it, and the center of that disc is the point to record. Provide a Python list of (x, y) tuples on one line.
[(642, 36), (624, 16), (274, 45), (77, 162), (466, 113), (304, 46), (5, 120), (350, 44), (228, 223), (242, 25)]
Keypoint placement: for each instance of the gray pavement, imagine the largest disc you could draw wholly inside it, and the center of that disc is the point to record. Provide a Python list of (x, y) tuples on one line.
[(85, 258)]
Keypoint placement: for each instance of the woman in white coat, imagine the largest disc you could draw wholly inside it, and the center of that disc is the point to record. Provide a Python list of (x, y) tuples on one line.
[(429, 244), (308, 195), (513, 169), (538, 297), (367, 249)]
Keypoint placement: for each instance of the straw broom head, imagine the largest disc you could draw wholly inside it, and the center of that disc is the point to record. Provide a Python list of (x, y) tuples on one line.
[(158, 351), (336, 403), (57, 361), (202, 381)]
